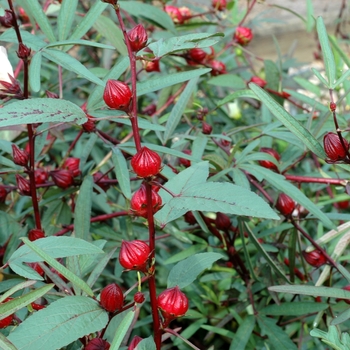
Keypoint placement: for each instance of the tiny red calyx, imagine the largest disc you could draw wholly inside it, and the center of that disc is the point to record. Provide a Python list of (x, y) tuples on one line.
[(332, 106), (206, 128), (20, 157), (138, 204), (315, 258), (217, 68), (72, 164), (5, 322), (266, 163), (222, 221), (23, 185), (138, 38), (3, 194), (139, 297), (258, 81), (183, 161), (134, 255), (112, 298), (117, 95), (285, 204), (40, 176), (23, 51), (7, 20), (196, 56), (146, 162), (97, 344), (174, 13), (35, 234), (99, 179), (62, 178), (152, 66), (334, 148), (243, 35)]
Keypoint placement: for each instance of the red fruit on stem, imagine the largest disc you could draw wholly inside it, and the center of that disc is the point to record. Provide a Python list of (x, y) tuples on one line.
[(334, 148), (117, 95), (112, 298), (72, 164), (243, 35), (99, 179), (258, 81), (152, 66), (139, 297), (183, 161), (134, 255), (7, 19), (266, 163), (40, 176), (138, 38), (189, 218), (174, 13), (185, 13), (62, 178), (23, 185), (197, 55), (222, 221), (35, 234), (97, 344), (20, 157), (206, 128), (135, 341), (285, 205), (138, 204), (315, 258), (146, 162), (3, 194), (5, 322), (89, 126), (23, 51), (332, 106), (217, 68), (219, 5)]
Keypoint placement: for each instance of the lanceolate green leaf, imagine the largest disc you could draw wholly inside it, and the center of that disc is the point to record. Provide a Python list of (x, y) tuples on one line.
[(293, 309), (146, 344), (34, 71), (5, 344), (122, 172), (122, 329), (41, 110), (242, 336), (289, 122), (66, 18), (235, 95), (59, 324)]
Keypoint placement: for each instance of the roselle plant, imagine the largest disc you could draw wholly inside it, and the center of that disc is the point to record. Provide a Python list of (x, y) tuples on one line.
[(163, 187)]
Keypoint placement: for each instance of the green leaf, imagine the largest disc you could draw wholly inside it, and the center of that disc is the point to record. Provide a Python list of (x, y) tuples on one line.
[(342, 317), (34, 71), (32, 41), (178, 109), (164, 47), (83, 209), (235, 95), (186, 271), (147, 344), (306, 99), (339, 50), (320, 77), (328, 56), (279, 339), (233, 81), (41, 110), (5, 344), (122, 329), (65, 18), (72, 64), (243, 333), (308, 85), (16, 288), (222, 331), (289, 122), (59, 324), (293, 309), (121, 171), (331, 338), (193, 249), (160, 82)]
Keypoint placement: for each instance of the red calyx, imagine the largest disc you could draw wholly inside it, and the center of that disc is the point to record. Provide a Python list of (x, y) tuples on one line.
[(185, 13), (36, 267), (343, 204), (62, 178), (41, 176), (20, 157), (89, 126), (97, 344), (35, 234), (243, 35), (174, 13), (5, 322), (117, 95), (315, 258), (332, 106), (222, 221), (266, 163), (3, 194), (146, 162), (285, 205), (219, 5), (72, 164), (197, 55), (189, 218), (152, 66), (134, 255), (7, 20), (99, 179), (217, 68), (112, 298), (138, 204), (258, 81), (172, 303), (334, 148), (23, 51), (206, 128), (139, 297), (23, 185), (135, 341), (138, 38), (183, 161)]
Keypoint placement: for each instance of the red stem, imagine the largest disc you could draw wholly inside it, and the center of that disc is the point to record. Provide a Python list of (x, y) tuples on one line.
[(320, 180)]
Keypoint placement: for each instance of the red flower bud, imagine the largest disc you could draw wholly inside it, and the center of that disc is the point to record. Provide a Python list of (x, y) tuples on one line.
[(138, 202), (206, 128), (266, 163), (258, 81), (41, 176), (332, 106), (23, 15), (5, 322), (172, 303), (72, 164), (197, 55), (138, 38), (217, 68), (135, 341), (35, 234), (62, 178), (112, 298), (97, 344), (134, 255), (20, 157), (219, 5), (243, 35), (189, 218), (3, 194), (152, 66), (139, 297), (23, 185), (222, 221), (315, 258), (174, 13), (23, 51), (89, 126), (146, 162), (185, 13), (285, 205), (117, 95), (7, 20), (334, 148), (183, 161), (99, 179)]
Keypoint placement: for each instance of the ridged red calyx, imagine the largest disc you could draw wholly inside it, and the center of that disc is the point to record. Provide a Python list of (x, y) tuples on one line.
[(135, 341), (3, 194), (139, 297), (97, 344), (20, 157), (152, 66), (285, 205), (217, 68), (334, 148), (174, 13), (99, 179), (243, 35), (183, 161), (7, 19), (220, 5), (62, 178), (35, 234), (146, 162), (112, 298), (134, 255), (41, 176), (138, 38), (197, 55), (117, 95), (206, 128), (332, 106), (5, 322), (138, 204), (72, 164), (23, 51), (258, 81), (266, 163), (89, 126), (222, 221), (315, 258), (172, 303), (23, 185)]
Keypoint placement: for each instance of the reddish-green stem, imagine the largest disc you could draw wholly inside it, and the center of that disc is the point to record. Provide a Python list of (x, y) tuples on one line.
[(320, 180)]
